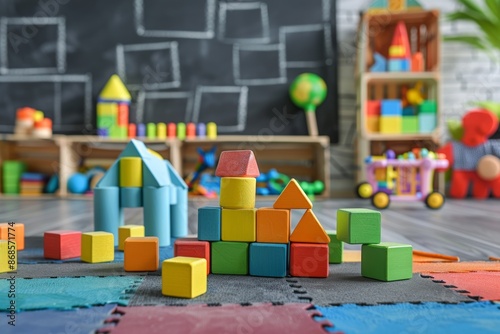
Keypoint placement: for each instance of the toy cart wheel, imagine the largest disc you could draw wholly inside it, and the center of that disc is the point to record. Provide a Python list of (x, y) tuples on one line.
[(434, 200), (364, 190), (381, 200)]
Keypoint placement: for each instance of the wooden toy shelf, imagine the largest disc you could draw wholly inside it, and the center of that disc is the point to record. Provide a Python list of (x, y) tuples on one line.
[(303, 157)]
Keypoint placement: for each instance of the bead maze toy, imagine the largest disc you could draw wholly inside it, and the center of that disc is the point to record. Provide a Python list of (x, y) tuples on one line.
[(406, 178)]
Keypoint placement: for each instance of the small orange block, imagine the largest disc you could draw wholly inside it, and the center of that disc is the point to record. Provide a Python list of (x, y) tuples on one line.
[(292, 197), (273, 225), (239, 163), (417, 62), (309, 260), (309, 230), (16, 232), (141, 254), (191, 247)]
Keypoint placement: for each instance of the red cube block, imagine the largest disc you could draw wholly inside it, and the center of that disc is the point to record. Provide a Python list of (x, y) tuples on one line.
[(373, 107), (61, 245), (309, 260), (191, 247)]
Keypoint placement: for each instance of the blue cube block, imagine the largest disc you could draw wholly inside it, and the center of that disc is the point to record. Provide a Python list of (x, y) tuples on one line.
[(209, 223), (391, 108), (427, 122), (399, 65), (409, 111), (268, 260)]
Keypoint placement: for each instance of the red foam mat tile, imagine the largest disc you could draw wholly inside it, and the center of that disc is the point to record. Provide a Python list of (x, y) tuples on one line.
[(478, 285)]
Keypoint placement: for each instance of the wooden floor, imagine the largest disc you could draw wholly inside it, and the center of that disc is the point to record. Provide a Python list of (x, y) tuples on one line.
[(468, 229)]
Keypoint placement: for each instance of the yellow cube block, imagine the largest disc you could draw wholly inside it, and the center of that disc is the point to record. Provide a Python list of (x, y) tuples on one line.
[(238, 225), (397, 51), (107, 109), (184, 277), (98, 247), (130, 172), (128, 231), (391, 124), (373, 123), (8, 256), (237, 192)]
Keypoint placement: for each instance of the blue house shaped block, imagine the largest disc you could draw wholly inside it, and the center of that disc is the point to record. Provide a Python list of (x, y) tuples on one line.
[(162, 193)]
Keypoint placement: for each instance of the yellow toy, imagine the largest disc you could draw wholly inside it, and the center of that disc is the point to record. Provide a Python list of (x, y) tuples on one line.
[(98, 247), (184, 277), (127, 231), (238, 225)]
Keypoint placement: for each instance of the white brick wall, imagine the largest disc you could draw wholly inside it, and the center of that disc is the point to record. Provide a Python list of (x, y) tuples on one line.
[(467, 75)]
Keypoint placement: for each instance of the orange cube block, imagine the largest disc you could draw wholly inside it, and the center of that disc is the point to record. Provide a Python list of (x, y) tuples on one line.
[(191, 247), (16, 231), (141, 254), (309, 260), (373, 123), (273, 225)]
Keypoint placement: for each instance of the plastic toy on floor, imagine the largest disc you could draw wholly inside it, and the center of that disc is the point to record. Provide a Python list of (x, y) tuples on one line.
[(206, 160), (406, 178), (474, 159)]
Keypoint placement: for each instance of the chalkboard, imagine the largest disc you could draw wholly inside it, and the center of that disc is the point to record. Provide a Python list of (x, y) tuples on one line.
[(182, 60)]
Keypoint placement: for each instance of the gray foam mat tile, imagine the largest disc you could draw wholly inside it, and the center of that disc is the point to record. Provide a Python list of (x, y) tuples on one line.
[(346, 285), (221, 289)]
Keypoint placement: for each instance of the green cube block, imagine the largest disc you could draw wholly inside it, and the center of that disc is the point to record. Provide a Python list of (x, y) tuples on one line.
[(428, 107), (410, 124), (106, 122), (358, 226), (230, 258), (387, 261), (335, 247)]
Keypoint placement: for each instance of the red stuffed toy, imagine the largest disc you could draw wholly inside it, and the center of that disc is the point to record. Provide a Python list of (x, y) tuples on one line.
[(475, 159)]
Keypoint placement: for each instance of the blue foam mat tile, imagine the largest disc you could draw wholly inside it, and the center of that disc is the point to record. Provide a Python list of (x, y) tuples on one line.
[(77, 321), (471, 317), (68, 292)]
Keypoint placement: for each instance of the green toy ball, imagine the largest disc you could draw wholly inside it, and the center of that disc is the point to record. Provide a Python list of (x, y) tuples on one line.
[(308, 91)]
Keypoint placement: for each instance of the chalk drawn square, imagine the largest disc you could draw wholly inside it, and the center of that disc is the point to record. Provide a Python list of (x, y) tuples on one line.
[(209, 101), (251, 64), (175, 18), (32, 45), (237, 22), (149, 66), (166, 107)]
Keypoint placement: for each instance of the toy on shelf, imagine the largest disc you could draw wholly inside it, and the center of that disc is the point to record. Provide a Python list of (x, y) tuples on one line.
[(139, 178), (32, 183), (81, 183), (393, 6), (308, 91), (206, 160), (271, 183), (113, 109), (11, 176), (32, 122), (406, 178), (473, 158)]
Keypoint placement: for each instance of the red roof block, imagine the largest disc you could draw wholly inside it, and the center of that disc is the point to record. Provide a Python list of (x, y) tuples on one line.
[(401, 38), (240, 163)]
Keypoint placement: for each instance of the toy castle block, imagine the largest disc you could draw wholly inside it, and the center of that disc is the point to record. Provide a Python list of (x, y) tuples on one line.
[(268, 260), (335, 248), (193, 248), (273, 225), (358, 226), (309, 260), (127, 231), (209, 223), (61, 245), (141, 254), (238, 225), (309, 230), (184, 277), (239, 163), (164, 194), (387, 261), (16, 230), (8, 256), (237, 192), (113, 109), (97, 247)]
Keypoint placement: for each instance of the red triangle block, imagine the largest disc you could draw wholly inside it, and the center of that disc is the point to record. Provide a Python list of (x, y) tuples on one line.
[(309, 230), (401, 38), (240, 163), (292, 197)]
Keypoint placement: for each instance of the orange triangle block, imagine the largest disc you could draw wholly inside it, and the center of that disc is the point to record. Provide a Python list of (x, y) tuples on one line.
[(292, 197), (240, 163), (309, 230)]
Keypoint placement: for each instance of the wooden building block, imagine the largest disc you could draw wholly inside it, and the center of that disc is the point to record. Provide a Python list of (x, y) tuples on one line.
[(358, 226), (193, 248), (391, 124), (417, 62), (238, 225), (273, 225), (387, 261), (309, 230), (230, 258), (184, 277), (239, 163), (130, 172), (309, 260), (292, 197), (17, 233), (373, 123), (130, 197), (373, 107), (237, 192), (61, 245), (209, 223), (399, 65), (397, 51), (409, 124), (268, 260), (335, 248), (98, 247), (127, 231), (428, 107), (391, 108), (427, 122), (8, 256), (141, 254)]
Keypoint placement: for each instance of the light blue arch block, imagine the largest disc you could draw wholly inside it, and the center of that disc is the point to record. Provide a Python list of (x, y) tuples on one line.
[(108, 215), (157, 213), (131, 197), (173, 195), (112, 176), (179, 214)]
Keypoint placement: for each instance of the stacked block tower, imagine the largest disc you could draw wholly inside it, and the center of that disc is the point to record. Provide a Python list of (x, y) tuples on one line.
[(399, 51), (113, 109)]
